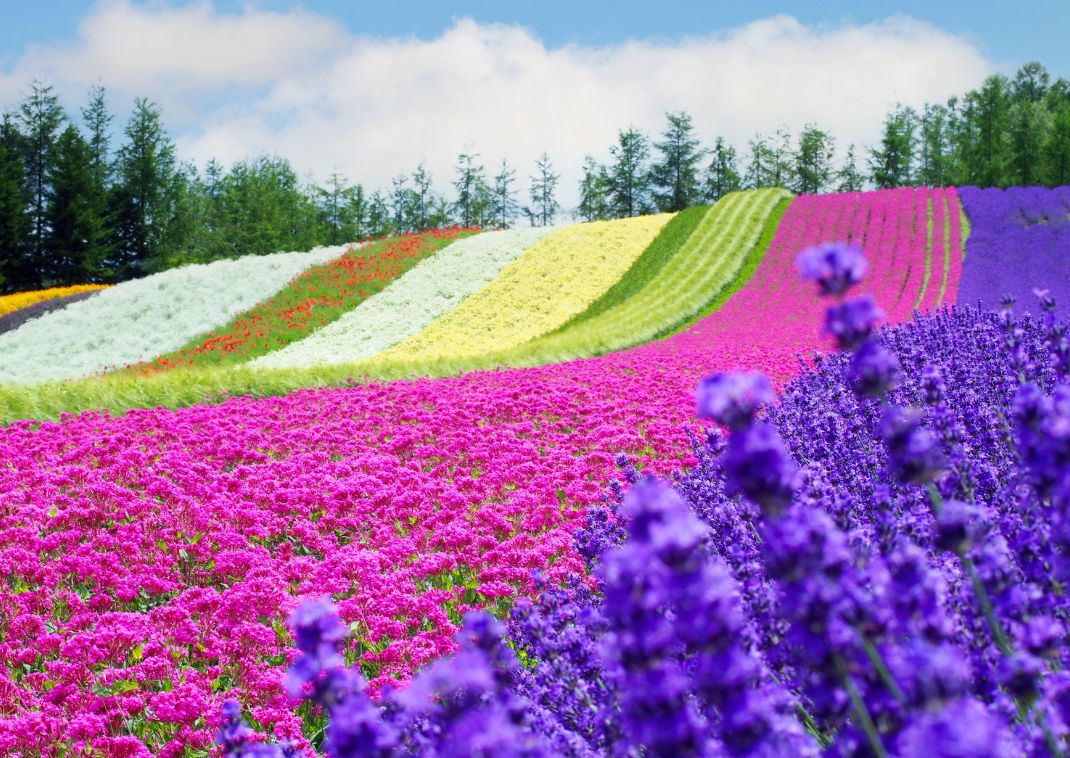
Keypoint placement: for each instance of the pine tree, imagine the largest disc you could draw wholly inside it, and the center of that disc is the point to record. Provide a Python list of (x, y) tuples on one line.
[(934, 160), (77, 237), (421, 199), (378, 222), (334, 202), (1028, 125), (98, 123), (400, 204), (594, 191), (849, 178), (813, 161), (544, 205), (760, 172), (722, 175), (40, 117), (782, 168), (505, 206), (1057, 148), (144, 168), (15, 223), (629, 183), (891, 165), (473, 194), (987, 156), (675, 177), (1031, 82)]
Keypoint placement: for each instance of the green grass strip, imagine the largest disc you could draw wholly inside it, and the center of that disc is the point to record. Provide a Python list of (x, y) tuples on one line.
[(928, 251), (646, 267), (948, 210)]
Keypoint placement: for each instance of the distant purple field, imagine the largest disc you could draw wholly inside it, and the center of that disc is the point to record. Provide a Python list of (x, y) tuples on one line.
[(1019, 242)]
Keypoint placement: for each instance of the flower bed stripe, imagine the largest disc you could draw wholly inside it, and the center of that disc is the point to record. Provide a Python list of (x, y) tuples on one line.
[(552, 281), (140, 319), (12, 303), (312, 301), (1019, 241), (428, 291)]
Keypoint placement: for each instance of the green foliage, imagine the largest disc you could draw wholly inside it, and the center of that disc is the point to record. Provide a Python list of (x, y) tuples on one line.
[(646, 266), (40, 117), (142, 200), (14, 219), (594, 191), (891, 164), (473, 203), (722, 176), (77, 237), (813, 161), (675, 177), (544, 205), (629, 182), (848, 177)]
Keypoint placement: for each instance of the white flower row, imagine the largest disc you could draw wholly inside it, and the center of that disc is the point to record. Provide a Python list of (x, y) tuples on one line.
[(144, 318), (429, 290)]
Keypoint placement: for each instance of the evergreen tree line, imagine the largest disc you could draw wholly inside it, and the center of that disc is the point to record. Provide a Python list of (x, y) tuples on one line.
[(75, 210)]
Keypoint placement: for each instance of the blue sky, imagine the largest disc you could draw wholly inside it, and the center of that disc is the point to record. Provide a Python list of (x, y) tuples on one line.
[(1009, 32), (371, 89)]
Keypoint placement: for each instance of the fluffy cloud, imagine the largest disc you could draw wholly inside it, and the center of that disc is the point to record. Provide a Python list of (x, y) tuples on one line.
[(298, 85)]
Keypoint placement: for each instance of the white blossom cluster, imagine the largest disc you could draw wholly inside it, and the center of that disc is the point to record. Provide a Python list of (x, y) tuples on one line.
[(141, 319), (429, 290)]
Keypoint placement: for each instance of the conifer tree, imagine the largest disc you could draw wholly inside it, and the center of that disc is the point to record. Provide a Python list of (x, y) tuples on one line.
[(813, 161), (473, 194), (848, 177), (891, 164), (629, 183), (544, 205), (594, 191), (722, 175), (15, 223), (505, 206), (77, 238), (40, 117), (675, 176)]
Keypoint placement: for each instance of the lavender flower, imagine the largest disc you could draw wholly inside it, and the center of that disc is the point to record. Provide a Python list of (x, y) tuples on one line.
[(912, 450), (874, 370), (835, 266), (732, 399), (759, 467), (852, 322)]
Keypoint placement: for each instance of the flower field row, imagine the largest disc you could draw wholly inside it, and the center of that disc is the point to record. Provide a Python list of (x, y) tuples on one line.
[(310, 302), (150, 559), (12, 321), (143, 318), (701, 268), (12, 303), (1020, 241), (862, 570), (553, 280), (431, 289)]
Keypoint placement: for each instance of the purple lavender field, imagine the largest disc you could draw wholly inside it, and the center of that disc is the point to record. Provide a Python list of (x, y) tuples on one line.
[(1019, 241), (874, 564)]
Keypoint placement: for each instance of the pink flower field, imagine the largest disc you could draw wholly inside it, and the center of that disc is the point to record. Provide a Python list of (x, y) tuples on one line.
[(150, 560)]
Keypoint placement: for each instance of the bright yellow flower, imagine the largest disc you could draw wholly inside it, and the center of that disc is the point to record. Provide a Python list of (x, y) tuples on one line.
[(12, 303), (556, 278)]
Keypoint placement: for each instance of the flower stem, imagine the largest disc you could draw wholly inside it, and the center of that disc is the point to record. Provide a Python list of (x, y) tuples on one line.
[(862, 712)]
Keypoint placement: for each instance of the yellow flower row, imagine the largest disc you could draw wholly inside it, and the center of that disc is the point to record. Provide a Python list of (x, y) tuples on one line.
[(12, 303), (558, 277)]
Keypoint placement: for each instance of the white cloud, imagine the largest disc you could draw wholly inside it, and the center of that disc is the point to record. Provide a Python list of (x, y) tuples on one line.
[(297, 85)]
